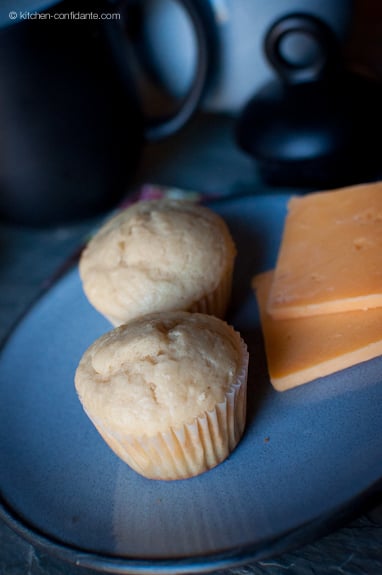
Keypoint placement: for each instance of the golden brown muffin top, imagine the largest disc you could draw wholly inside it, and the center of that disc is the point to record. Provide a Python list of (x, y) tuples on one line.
[(155, 255), (159, 371)]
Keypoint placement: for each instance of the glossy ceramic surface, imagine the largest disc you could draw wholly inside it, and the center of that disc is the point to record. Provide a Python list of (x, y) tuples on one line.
[(305, 454)]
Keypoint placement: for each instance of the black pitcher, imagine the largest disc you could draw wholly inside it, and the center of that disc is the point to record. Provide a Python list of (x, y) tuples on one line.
[(71, 122)]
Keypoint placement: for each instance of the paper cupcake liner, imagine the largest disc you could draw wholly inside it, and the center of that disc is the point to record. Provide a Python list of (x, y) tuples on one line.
[(216, 302), (191, 449)]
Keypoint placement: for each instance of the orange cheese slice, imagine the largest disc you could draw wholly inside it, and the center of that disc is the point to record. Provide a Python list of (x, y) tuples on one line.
[(330, 257), (303, 349)]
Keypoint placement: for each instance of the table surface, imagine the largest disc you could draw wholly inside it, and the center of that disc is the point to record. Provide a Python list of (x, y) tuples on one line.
[(203, 158)]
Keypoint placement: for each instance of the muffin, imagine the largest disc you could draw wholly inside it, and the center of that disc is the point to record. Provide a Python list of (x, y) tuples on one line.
[(159, 255), (167, 392)]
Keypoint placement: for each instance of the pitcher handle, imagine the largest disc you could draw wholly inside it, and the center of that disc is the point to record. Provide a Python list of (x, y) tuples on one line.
[(165, 126)]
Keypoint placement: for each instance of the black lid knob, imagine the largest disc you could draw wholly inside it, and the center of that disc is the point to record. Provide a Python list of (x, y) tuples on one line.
[(300, 47)]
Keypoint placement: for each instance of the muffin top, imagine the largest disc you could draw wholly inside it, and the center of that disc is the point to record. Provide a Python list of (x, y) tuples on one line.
[(159, 371), (155, 255)]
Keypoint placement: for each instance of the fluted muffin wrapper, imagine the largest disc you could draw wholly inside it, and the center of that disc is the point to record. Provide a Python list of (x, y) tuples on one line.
[(216, 302), (191, 449)]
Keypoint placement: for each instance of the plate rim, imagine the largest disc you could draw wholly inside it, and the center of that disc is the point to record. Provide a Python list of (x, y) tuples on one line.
[(203, 563)]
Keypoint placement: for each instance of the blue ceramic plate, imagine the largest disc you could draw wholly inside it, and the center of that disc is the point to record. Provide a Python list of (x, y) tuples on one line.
[(307, 454)]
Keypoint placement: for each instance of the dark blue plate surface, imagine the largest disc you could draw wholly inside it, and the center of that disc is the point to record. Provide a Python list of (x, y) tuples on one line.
[(307, 454)]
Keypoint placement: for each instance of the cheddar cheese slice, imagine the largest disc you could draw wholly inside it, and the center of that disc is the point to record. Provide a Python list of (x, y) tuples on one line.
[(330, 257), (303, 349)]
